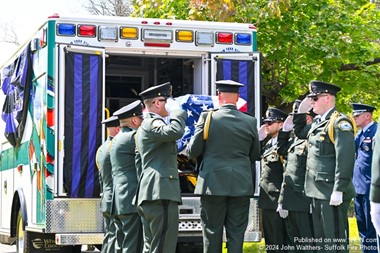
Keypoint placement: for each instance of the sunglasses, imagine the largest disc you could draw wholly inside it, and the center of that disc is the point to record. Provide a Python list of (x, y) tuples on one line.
[(315, 98), (271, 122)]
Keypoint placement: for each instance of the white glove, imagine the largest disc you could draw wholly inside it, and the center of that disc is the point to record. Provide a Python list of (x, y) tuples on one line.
[(336, 198), (375, 216), (262, 133), (288, 124), (282, 212), (172, 105), (305, 106)]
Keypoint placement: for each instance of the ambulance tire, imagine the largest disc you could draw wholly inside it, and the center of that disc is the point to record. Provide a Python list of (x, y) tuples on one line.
[(98, 246), (21, 235)]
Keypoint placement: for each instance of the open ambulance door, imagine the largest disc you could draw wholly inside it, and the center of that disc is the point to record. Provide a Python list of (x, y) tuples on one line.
[(80, 107), (243, 68)]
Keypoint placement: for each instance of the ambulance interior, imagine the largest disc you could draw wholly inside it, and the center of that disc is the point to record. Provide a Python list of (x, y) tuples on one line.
[(127, 76)]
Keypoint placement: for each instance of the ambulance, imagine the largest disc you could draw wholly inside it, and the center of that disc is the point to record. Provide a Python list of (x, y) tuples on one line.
[(76, 71)]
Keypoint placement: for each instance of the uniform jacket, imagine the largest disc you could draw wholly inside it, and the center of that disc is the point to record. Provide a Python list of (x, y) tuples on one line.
[(124, 172), (375, 179), (329, 165), (272, 170), (103, 162), (292, 195), (228, 154), (362, 169), (156, 144)]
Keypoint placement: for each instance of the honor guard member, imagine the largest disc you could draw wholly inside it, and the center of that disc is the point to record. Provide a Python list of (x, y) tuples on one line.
[(272, 169), (292, 197), (227, 139), (125, 179), (375, 185), (329, 166), (103, 163), (362, 114), (158, 192)]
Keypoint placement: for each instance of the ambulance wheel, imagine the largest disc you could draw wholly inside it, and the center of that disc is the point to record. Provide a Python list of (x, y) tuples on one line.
[(21, 235)]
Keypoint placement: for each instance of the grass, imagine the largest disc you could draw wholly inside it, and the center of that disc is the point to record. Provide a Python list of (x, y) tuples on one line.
[(254, 247)]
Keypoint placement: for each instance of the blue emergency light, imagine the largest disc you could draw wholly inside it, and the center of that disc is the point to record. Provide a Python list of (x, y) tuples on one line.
[(66, 29), (243, 39)]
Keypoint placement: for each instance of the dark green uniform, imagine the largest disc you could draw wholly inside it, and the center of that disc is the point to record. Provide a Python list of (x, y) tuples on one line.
[(158, 193), (292, 196), (329, 168), (103, 162), (125, 180), (225, 175), (272, 169)]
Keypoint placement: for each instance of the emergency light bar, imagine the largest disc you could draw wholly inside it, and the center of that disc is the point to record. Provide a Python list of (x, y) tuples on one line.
[(154, 37), (108, 33), (157, 35)]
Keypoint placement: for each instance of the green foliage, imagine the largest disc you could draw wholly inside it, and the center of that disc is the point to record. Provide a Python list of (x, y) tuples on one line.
[(167, 9), (301, 40)]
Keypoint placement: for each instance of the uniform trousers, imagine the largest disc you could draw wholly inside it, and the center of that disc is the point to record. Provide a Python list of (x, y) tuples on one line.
[(275, 231), (129, 233), (109, 240), (301, 232), (331, 225), (160, 219), (228, 212), (366, 229)]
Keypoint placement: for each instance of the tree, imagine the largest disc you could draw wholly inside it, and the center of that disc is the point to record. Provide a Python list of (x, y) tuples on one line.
[(335, 41), (110, 7), (8, 34)]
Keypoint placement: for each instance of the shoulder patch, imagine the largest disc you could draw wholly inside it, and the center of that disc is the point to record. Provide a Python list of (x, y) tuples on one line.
[(158, 123), (344, 125)]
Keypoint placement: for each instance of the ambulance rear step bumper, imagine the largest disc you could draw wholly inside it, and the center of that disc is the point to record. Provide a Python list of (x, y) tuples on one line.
[(79, 239)]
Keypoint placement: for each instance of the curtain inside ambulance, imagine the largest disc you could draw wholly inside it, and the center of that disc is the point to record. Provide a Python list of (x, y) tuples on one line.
[(241, 71), (16, 84), (83, 115)]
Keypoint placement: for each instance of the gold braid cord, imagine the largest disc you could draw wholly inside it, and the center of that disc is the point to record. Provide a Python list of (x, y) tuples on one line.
[(331, 124), (207, 125)]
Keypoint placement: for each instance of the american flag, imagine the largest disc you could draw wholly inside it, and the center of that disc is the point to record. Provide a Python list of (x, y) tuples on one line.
[(194, 105)]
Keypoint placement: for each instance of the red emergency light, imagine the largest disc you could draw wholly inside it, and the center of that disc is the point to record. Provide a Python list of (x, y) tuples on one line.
[(86, 30), (224, 38)]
